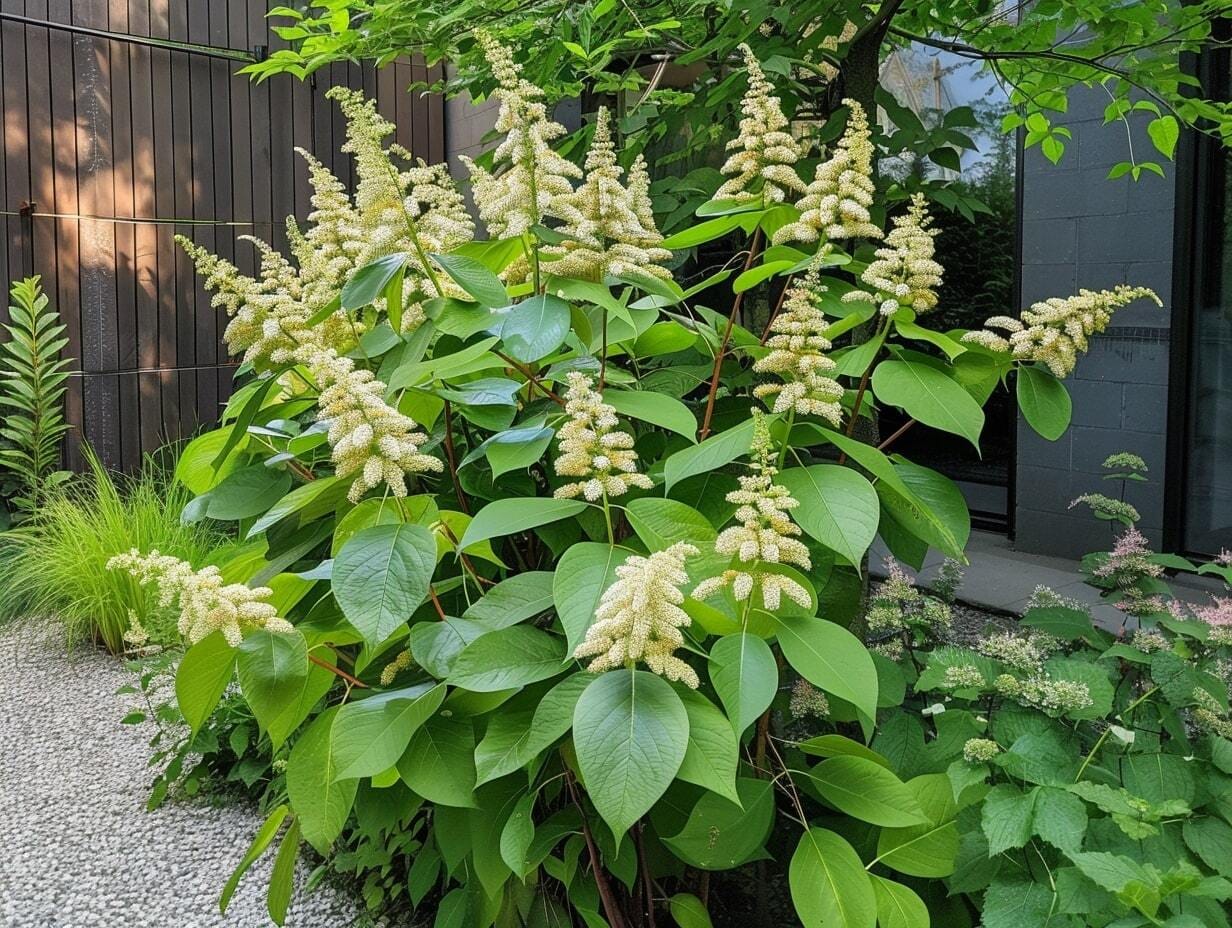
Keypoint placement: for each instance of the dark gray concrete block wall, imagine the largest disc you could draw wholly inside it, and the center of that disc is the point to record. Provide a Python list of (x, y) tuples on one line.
[(1081, 230)]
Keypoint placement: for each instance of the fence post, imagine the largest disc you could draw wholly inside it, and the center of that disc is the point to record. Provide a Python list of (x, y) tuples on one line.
[(26, 212)]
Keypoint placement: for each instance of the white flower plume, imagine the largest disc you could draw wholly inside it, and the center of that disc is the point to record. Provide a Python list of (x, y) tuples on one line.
[(593, 448)]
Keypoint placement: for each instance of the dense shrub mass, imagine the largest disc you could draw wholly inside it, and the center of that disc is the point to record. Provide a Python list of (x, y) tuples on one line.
[(549, 599)]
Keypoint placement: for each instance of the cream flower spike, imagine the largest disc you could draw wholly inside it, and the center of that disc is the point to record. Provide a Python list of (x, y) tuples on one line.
[(639, 617), (206, 603), (1056, 331), (904, 272), (766, 534), (593, 448), (764, 150), (836, 204), (328, 251), (609, 228), (368, 437), (533, 176), (798, 354)]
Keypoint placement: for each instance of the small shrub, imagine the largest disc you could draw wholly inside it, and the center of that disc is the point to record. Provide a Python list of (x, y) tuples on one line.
[(55, 564)]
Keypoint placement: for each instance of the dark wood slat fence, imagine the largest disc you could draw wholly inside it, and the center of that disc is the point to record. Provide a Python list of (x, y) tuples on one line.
[(112, 147)]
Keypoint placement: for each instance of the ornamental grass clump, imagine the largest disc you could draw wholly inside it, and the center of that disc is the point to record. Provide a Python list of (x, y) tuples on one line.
[(541, 558)]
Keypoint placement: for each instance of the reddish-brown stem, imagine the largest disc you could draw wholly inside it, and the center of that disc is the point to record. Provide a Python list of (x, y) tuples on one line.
[(301, 470), (765, 333), (453, 460), (647, 882), (530, 375), (855, 407), (719, 355), (610, 908), (897, 434), (466, 561), (436, 603), (338, 671)]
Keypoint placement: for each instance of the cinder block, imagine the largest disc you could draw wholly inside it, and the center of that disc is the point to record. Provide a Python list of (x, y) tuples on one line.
[(1091, 446), (1096, 402), (1049, 241), (1058, 534), (1130, 237)]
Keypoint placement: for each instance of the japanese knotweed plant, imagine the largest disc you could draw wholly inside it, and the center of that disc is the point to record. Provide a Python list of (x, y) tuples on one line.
[(538, 547), (1079, 773)]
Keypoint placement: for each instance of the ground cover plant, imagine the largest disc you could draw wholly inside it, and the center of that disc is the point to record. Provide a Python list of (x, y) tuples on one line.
[(538, 550)]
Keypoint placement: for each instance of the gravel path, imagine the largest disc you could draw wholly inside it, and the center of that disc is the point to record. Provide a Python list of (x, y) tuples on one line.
[(78, 848)]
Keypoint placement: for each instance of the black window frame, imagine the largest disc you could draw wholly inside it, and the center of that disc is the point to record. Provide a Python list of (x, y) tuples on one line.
[(1201, 214)]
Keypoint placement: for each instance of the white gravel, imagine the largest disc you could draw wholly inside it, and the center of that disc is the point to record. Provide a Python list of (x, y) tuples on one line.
[(77, 848)]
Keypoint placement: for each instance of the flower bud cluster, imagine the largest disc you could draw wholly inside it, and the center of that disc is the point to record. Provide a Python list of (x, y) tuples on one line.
[(593, 448), (206, 603), (904, 272), (639, 617)]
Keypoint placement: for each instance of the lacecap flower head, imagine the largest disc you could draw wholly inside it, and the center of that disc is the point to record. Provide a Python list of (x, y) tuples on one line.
[(639, 617)]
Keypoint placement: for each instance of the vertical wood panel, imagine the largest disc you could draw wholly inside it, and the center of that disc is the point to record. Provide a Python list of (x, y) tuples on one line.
[(121, 146)]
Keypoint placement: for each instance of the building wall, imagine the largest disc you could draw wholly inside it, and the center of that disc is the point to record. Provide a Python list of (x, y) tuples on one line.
[(1080, 230)]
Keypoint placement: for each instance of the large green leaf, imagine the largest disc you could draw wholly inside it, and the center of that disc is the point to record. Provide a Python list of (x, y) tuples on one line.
[(831, 658), (719, 834), (272, 668), (898, 906), (689, 911), (929, 396), (439, 763), (201, 678), (711, 454), (713, 753), (508, 658), (370, 735), (867, 791), (510, 516), (534, 328), (656, 408), (309, 500), (582, 574), (942, 497), (838, 507), (246, 492), (473, 277), (382, 575), (829, 885), (321, 801), (924, 850), (660, 523), (514, 600), (745, 677), (368, 282), (630, 731), (260, 844), (1044, 401), (503, 748)]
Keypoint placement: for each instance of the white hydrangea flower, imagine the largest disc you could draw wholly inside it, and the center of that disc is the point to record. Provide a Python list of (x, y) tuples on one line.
[(765, 149), (206, 603), (904, 272), (980, 750), (836, 204), (766, 534), (1052, 696), (368, 437), (798, 356), (1057, 330), (639, 617), (963, 677), (593, 448), (609, 228), (534, 176), (1020, 653)]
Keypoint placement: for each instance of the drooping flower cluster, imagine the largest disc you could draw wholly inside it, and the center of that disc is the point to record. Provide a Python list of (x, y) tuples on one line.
[(609, 227), (836, 204), (368, 437), (766, 534), (798, 356), (206, 603), (333, 245), (639, 617), (402, 660), (1052, 696), (533, 175), (1056, 331), (593, 448), (904, 272), (1107, 507), (760, 166)]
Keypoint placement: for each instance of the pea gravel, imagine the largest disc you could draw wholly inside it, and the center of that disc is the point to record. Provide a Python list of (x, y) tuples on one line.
[(78, 848)]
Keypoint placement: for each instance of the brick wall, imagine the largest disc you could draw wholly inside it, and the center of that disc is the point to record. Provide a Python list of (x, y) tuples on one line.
[(1081, 230)]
